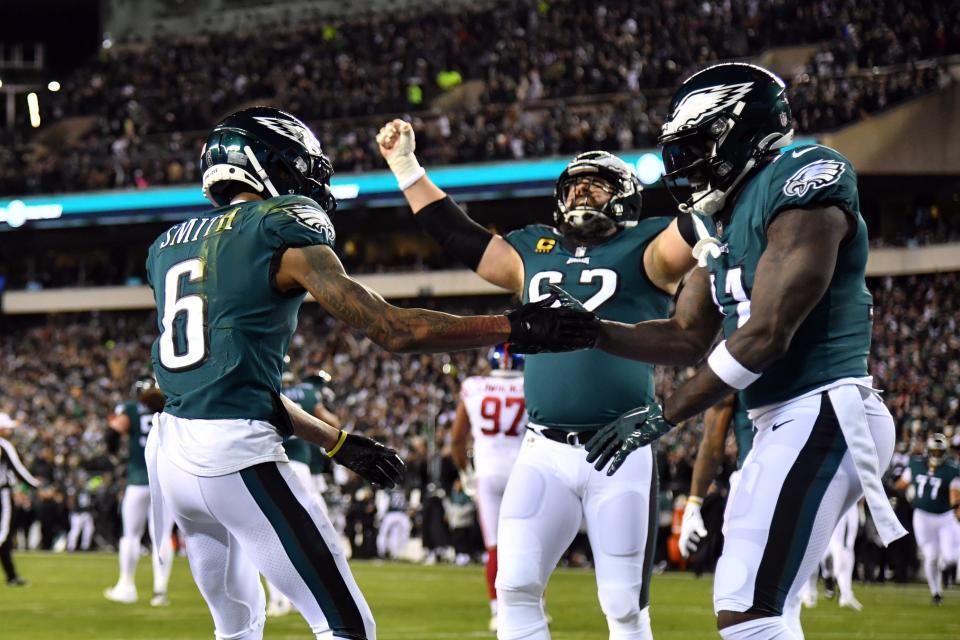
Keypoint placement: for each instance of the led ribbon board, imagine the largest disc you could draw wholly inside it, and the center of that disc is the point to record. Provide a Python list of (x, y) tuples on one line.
[(518, 178)]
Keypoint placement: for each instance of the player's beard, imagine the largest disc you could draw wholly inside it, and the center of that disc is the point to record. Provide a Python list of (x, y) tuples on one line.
[(592, 231)]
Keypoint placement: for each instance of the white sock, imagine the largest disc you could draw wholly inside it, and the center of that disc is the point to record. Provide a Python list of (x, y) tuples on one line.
[(772, 628), (493, 608), (129, 556), (161, 571), (843, 570), (932, 568)]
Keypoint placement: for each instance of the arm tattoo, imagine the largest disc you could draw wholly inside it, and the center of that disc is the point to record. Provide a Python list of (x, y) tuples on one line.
[(393, 328)]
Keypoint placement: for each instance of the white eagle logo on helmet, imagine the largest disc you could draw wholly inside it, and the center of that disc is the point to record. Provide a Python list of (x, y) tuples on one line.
[(703, 103), (293, 130), (815, 175)]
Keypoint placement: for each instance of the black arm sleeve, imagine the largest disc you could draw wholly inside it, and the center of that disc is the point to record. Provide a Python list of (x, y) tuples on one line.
[(460, 237), (686, 228)]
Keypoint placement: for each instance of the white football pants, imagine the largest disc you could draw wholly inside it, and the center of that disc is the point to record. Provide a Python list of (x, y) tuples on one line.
[(938, 537), (136, 516), (550, 491), (81, 531), (490, 490), (261, 520), (797, 482)]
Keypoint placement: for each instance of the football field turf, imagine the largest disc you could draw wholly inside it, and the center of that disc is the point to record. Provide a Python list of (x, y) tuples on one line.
[(65, 601)]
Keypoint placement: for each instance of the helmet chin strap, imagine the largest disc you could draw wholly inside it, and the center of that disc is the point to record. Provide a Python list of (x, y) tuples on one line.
[(272, 190)]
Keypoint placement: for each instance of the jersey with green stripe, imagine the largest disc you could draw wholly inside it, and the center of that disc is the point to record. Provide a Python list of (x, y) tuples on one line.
[(834, 340), (141, 419), (932, 487), (297, 449), (743, 430), (224, 327), (586, 389)]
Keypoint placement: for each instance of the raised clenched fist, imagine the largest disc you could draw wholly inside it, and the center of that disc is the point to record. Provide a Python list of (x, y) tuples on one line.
[(396, 138), (397, 144)]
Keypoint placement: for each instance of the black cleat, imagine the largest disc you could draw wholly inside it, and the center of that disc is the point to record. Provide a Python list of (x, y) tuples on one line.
[(17, 582), (937, 600), (828, 588)]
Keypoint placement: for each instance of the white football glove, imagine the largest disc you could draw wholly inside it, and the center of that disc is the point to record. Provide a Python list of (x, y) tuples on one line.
[(397, 144), (692, 531)]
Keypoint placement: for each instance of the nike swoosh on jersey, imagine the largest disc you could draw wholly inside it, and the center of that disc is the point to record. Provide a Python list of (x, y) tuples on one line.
[(778, 425), (797, 154)]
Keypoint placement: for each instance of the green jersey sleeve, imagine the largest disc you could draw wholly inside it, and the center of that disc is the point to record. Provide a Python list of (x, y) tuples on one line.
[(296, 221), (810, 177)]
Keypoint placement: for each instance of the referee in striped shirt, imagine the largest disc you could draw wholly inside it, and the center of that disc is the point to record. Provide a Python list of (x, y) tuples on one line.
[(11, 472)]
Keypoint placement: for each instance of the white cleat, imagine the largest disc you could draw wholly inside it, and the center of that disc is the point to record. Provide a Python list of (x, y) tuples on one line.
[(849, 602), (492, 625), (122, 594), (159, 600)]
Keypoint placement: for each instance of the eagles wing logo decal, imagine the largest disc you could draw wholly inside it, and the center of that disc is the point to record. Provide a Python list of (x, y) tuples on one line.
[(815, 175), (292, 130), (701, 104), (313, 218)]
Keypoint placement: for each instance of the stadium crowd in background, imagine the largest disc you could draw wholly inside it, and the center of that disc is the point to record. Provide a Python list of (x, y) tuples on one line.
[(539, 67), (61, 376)]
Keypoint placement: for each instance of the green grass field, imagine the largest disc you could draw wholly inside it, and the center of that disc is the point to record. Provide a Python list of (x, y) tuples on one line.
[(65, 601)]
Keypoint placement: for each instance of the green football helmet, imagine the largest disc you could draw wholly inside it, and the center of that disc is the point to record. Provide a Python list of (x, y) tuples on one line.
[(723, 121), (625, 201), (268, 152)]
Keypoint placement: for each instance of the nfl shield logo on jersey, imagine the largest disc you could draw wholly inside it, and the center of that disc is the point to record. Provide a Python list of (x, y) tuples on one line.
[(815, 175)]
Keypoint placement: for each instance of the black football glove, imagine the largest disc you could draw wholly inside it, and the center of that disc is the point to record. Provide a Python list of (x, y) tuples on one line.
[(634, 429), (538, 327), (375, 463)]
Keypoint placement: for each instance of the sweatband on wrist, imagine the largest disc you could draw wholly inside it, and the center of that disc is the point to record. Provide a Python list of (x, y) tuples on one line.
[(685, 226), (697, 500), (729, 370), (406, 170), (340, 440), (460, 237)]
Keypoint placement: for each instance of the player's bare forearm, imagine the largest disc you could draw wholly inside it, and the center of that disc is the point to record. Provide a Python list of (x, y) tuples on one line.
[(309, 427), (681, 340), (716, 423), (326, 415), (393, 328), (458, 436), (667, 259), (697, 394), (119, 423), (792, 275), (421, 193)]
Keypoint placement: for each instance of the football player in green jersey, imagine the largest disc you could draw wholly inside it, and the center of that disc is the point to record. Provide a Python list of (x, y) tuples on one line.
[(228, 285), (936, 506), (623, 267), (784, 276), (134, 420)]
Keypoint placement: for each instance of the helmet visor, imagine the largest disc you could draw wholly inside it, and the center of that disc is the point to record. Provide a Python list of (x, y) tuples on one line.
[(685, 161)]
